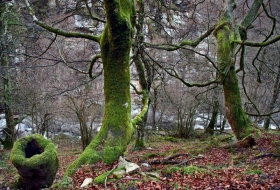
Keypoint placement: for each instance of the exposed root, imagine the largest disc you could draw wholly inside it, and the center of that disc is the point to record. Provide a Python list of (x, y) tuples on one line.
[(246, 142)]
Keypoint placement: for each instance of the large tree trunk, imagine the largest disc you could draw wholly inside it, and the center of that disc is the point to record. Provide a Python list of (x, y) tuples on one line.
[(116, 130), (238, 120)]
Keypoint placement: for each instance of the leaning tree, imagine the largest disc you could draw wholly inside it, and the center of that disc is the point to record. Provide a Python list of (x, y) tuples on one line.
[(231, 34)]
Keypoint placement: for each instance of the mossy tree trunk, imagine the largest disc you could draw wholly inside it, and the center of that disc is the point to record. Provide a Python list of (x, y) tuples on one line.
[(235, 114), (117, 129), (5, 79), (144, 71), (228, 35), (225, 34)]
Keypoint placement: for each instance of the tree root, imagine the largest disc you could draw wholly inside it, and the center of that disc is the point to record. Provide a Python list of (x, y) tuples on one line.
[(246, 142)]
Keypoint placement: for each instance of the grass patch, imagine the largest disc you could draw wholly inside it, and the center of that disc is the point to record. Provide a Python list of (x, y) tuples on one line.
[(253, 172)]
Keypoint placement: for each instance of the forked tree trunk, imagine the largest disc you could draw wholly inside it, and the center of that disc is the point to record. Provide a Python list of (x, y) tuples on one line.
[(225, 33)]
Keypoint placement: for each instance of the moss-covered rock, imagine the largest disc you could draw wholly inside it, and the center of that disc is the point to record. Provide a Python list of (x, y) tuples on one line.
[(36, 161)]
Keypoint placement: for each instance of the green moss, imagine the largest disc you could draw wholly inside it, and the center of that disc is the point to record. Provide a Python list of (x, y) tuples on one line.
[(224, 48), (188, 170), (150, 155), (101, 179), (235, 114), (89, 156), (111, 154), (193, 169), (253, 172), (172, 169), (47, 158), (171, 139), (65, 183), (139, 143), (144, 110)]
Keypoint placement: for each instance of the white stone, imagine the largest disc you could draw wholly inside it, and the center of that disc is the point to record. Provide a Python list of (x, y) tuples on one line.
[(122, 162), (131, 167), (145, 165), (86, 182)]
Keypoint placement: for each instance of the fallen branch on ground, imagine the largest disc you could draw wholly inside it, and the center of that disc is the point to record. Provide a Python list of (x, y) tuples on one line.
[(168, 160), (266, 155)]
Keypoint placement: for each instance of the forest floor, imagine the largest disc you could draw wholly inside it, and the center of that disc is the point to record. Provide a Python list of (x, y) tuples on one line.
[(170, 163)]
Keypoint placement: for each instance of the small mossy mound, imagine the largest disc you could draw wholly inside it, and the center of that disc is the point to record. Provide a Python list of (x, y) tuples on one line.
[(36, 161)]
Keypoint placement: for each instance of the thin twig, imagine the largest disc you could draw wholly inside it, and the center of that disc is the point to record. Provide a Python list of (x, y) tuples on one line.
[(198, 157), (109, 174)]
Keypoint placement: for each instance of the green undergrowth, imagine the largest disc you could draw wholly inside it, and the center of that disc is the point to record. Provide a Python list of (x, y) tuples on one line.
[(186, 170)]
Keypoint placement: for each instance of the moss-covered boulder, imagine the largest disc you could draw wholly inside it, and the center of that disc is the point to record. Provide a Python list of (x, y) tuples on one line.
[(36, 161)]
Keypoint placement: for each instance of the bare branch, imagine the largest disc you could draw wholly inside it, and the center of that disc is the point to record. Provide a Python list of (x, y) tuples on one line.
[(173, 47), (173, 73), (91, 15), (265, 114), (258, 44), (92, 63), (48, 46), (135, 89), (59, 31)]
